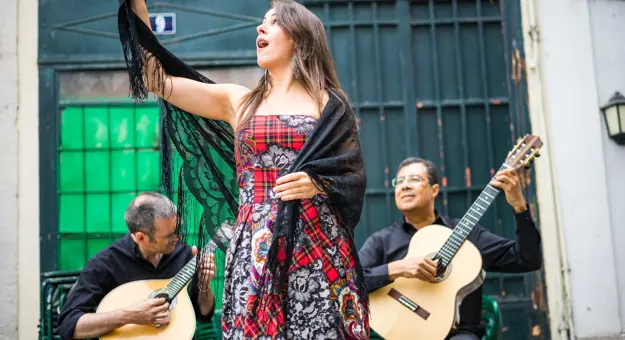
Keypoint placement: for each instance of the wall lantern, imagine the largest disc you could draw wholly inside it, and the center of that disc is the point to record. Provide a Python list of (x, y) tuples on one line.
[(614, 116)]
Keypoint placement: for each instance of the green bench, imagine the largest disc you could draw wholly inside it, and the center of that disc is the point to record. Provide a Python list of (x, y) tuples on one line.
[(55, 286), (491, 317)]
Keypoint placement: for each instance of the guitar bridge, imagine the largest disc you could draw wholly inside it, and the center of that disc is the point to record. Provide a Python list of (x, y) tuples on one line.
[(408, 303)]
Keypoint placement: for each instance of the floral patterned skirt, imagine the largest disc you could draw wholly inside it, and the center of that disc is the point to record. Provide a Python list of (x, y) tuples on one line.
[(322, 300)]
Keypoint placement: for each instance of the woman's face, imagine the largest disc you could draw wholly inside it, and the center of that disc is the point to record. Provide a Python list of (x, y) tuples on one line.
[(274, 48)]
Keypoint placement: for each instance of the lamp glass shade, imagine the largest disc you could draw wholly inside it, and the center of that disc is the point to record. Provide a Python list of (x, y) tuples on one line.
[(612, 119)]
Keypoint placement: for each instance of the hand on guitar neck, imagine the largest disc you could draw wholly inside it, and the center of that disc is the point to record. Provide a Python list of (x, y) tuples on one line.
[(413, 267), (206, 273), (510, 183)]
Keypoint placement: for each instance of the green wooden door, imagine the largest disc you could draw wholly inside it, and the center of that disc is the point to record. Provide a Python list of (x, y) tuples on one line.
[(436, 79)]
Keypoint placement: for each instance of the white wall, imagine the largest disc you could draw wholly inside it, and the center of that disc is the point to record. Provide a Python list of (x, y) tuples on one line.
[(28, 181), (19, 171), (607, 21), (575, 83), (8, 169)]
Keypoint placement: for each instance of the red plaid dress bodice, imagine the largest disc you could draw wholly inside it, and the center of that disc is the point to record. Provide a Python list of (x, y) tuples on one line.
[(266, 148)]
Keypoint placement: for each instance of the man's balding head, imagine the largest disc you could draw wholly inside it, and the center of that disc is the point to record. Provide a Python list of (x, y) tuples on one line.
[(143, 211)]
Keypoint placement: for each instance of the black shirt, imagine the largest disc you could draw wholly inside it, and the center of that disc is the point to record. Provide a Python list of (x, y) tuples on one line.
[(498, 255), (120, 263)]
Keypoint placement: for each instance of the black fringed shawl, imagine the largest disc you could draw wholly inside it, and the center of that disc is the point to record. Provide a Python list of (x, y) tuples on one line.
[(331, 157)]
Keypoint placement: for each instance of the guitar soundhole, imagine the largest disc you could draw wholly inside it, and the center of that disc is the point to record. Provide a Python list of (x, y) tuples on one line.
[(443, 272), (162, 293)]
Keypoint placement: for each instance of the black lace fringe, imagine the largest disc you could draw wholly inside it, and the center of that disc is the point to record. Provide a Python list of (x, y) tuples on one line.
[(166, 155), (135, 60)]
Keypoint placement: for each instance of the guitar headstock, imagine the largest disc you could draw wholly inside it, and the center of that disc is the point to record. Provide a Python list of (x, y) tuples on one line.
[(524, 152)]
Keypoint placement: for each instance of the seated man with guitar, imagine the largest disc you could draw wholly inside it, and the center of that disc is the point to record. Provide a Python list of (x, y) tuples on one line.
[(151, 252), (385, 261)]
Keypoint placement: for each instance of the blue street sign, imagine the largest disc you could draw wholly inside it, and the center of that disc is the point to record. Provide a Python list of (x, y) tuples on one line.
[(163, 23)]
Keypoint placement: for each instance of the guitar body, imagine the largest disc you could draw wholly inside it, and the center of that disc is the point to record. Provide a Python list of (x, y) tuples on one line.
[(182, 322), (437, 302)]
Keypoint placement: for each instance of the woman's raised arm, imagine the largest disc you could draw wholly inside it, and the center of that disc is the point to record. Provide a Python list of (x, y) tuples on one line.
[(212, 101)]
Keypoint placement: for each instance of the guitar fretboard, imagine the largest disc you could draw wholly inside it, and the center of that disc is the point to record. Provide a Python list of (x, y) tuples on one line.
[(468, 221), (186, 273)]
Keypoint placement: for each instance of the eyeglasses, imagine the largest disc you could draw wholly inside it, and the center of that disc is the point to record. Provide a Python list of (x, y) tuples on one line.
[(410, 179)]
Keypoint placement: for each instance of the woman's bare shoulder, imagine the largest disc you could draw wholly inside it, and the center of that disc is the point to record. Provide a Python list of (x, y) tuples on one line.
[(236, 92)]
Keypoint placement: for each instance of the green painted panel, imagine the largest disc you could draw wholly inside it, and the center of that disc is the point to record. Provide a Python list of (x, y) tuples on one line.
[(122, 125), (124, 174), (72, 128), (72, 214), (72, 170), (98, 214), (146, 127), (71, 251), (119, 204), (146, 160), (97, 170), (96, 127), (107, 154)]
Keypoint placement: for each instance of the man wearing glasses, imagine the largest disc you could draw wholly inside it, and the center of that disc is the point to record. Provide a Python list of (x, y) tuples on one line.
[(150, 250), (416, 188)]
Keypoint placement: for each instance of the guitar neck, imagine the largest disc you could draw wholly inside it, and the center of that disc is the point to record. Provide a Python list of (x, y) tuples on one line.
[(186, 273), (468, 221)]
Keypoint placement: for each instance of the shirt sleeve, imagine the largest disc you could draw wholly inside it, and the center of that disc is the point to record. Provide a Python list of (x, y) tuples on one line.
[(500, 254), (372, 261), (90, 288)]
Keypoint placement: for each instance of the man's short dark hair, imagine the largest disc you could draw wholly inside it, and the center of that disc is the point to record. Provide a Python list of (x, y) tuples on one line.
[(433, 177), (143, 211)]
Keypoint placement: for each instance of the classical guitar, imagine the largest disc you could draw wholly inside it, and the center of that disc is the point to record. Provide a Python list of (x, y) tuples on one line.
[(414, 309), (182, 315)]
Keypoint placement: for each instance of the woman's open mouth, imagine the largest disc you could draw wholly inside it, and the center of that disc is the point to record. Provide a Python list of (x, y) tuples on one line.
[(261, 43)]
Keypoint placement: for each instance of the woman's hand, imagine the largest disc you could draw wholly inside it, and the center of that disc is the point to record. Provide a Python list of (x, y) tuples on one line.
[(295, 186)]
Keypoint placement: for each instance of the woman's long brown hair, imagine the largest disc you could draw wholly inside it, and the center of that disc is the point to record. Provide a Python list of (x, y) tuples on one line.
[(312, 59)]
